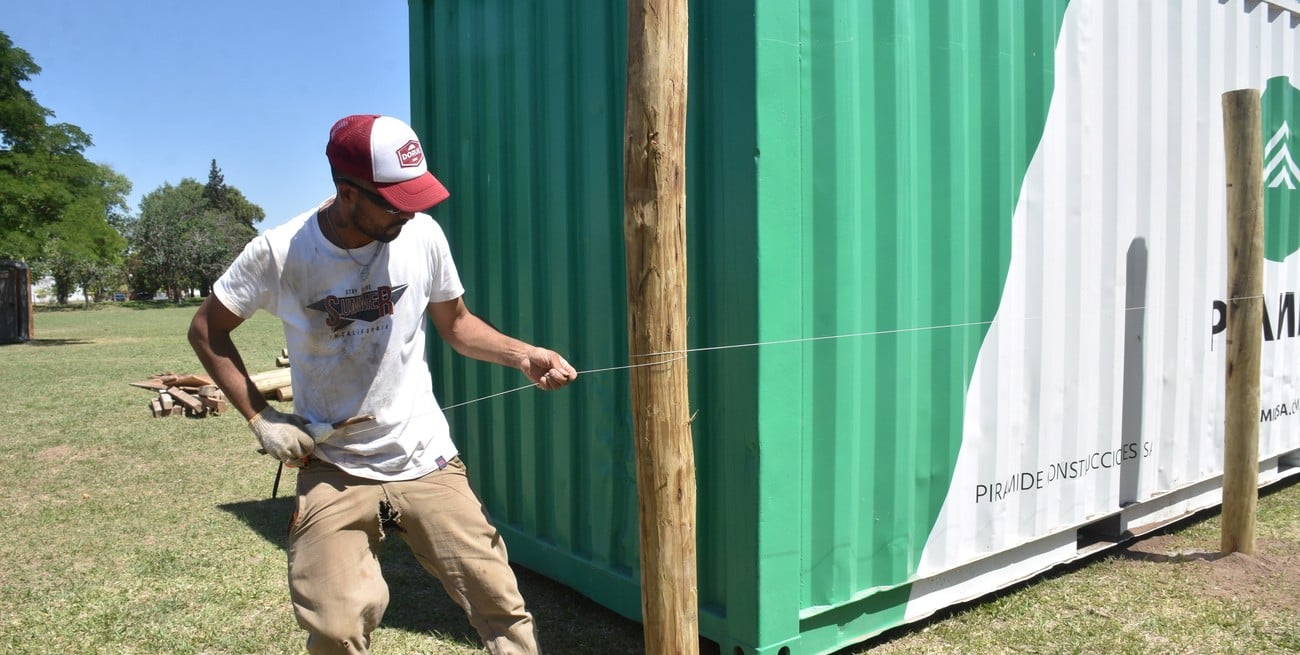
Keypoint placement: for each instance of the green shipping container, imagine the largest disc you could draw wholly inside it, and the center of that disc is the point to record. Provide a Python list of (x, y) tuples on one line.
[(930, 217), (812, 128)]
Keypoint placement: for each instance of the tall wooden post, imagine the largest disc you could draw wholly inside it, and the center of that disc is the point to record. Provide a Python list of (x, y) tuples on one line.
[(1242, 136), (654, 227)]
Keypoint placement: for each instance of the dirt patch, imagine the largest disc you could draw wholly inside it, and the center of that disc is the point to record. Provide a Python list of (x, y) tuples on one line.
[(55, 454), (1271, 576), (65, 454)]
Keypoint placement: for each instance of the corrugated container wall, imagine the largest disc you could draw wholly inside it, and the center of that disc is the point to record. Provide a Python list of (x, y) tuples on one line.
[(522, 104), (980, 244)]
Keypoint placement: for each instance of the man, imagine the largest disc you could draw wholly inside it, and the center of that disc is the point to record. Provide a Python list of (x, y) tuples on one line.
[(352, 282)]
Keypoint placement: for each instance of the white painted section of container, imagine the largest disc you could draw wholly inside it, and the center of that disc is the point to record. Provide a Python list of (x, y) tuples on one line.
[(1098, 392)]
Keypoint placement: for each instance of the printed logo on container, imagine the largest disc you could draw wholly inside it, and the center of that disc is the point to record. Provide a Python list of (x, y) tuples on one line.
[(410, 155), (1280, 117), (1280, 120)]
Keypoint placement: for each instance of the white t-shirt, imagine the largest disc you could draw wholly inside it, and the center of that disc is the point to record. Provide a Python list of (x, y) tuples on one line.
[(357, 346)]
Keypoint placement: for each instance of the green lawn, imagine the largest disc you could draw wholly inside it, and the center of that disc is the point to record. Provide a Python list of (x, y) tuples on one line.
[(124, 533)]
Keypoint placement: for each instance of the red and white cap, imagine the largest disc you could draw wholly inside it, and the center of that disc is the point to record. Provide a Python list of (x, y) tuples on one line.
[(384, 151)]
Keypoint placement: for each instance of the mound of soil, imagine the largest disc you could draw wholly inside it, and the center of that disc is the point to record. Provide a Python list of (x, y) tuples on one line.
[(1271, 575)]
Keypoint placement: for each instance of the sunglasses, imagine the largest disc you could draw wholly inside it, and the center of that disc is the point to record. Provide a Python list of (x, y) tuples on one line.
[(375, 198)]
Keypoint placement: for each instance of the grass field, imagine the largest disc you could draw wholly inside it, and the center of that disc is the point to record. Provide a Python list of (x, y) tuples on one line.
[(128, 534)]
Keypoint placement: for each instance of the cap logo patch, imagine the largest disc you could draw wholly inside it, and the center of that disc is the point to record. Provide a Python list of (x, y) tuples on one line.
[(410, 155)]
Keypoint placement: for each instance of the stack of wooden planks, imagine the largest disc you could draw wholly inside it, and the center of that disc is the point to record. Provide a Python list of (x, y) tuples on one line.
[(197, 396), (184, 395)]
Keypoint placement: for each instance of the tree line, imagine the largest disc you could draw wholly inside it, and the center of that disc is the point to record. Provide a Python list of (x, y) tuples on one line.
[(67, 217)]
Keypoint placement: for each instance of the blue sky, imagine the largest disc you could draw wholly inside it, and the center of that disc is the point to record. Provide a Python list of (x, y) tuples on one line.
[(163, 88)]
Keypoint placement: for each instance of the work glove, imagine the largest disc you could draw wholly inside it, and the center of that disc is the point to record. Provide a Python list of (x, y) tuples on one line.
[(283, 436)]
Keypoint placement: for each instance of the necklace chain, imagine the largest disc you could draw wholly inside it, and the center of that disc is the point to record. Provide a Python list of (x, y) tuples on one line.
[(365, 268)]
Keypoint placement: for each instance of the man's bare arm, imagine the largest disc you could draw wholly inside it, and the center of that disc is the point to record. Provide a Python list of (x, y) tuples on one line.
[(471, 336), (209, 335)]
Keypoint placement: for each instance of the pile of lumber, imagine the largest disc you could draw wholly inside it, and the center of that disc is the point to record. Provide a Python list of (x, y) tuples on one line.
[(184, 395), (197, 396)]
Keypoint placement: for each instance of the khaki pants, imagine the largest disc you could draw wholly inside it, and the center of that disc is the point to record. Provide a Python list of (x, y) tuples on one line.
[(339, 594)]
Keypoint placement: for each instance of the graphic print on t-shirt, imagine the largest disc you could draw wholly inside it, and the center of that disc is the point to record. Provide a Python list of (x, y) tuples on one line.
[(368, 306)]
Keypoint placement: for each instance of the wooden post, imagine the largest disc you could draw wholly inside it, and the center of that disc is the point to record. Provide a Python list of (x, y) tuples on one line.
[(1244, 168), (654, 226)]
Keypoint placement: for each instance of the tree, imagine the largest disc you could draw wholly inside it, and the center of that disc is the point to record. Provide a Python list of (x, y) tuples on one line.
[(56, 207), (86, 252), (227, 236), (229, 201), (22, 119), (166, 235), (184, 240), (215, 190)]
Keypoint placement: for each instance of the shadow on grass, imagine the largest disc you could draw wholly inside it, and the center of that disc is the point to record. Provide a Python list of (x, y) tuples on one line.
[(48, 308), (567, 621), (44, 308), (1177, 558), (161, 304), (46, 343), (268, 518)]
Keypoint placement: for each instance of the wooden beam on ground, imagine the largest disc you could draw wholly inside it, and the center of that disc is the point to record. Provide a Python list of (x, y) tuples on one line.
[(1243, 154), (191, 403), (214, 401), (185, 380), (268, 381), (654, 225)]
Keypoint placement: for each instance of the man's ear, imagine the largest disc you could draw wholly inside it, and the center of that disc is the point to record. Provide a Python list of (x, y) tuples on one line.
[(345, 192)]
